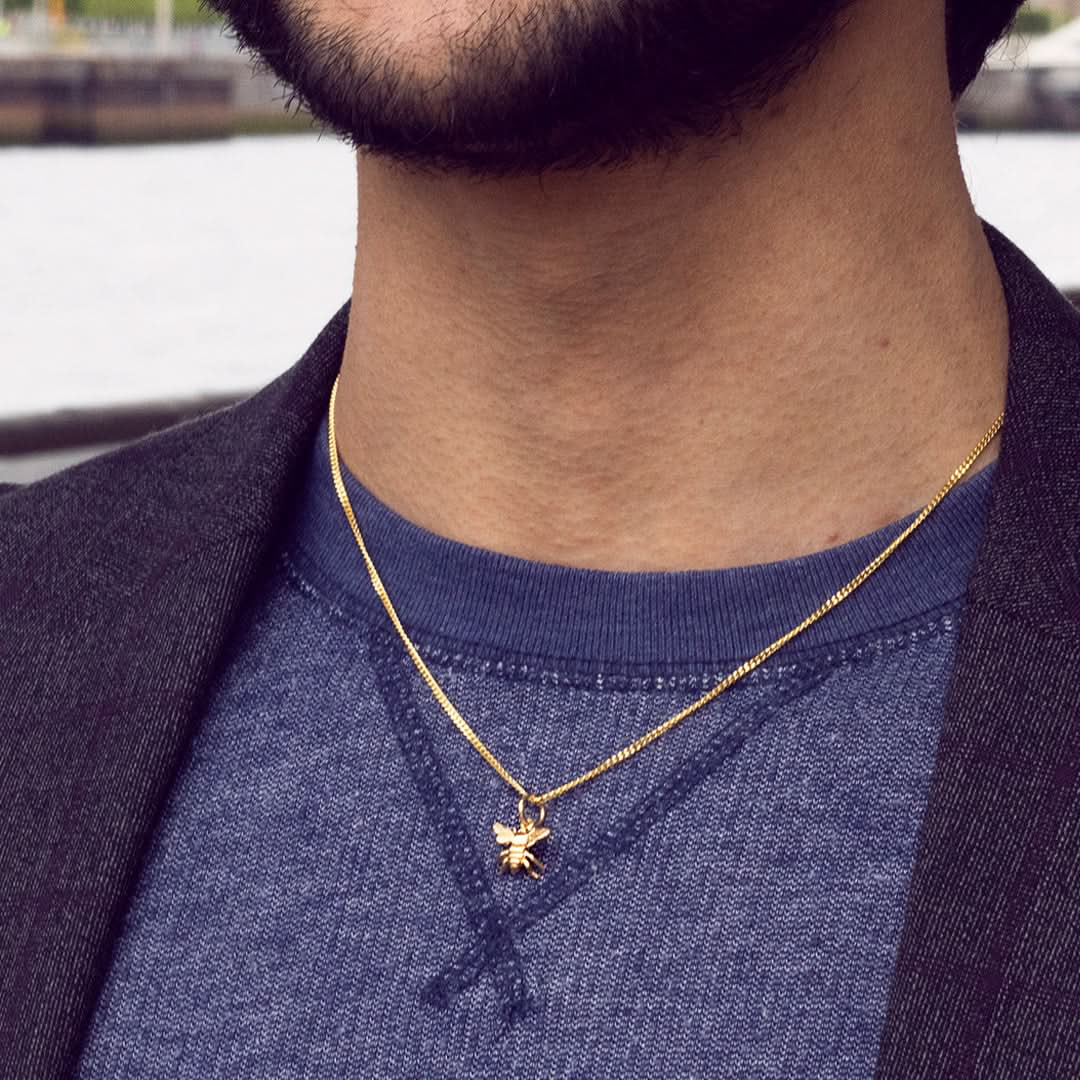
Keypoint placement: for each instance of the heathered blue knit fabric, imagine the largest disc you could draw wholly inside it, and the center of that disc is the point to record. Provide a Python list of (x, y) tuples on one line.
[(321, 899)]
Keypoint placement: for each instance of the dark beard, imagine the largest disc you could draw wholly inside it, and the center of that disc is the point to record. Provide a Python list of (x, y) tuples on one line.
[(625, 80)]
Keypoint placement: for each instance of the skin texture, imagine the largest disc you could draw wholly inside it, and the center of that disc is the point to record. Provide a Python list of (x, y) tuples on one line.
[(706, 321)]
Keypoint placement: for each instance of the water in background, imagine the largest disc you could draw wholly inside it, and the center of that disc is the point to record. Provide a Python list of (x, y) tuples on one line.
[(133, 273), (130, 274)]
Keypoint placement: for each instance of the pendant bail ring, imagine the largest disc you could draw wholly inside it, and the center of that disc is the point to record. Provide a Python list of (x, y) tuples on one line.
[(528, 822)]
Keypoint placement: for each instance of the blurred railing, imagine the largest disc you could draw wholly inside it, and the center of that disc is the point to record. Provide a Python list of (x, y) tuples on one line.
[(1029, 83), (69, 428), (34, 446)]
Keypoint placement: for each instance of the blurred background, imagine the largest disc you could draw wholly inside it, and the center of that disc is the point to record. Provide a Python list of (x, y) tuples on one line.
[(174, 231)]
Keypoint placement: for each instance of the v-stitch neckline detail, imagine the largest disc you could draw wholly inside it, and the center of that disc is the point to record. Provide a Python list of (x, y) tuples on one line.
[(497, 928)]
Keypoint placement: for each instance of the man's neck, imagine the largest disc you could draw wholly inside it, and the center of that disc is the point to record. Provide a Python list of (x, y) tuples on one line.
[(731, 359)]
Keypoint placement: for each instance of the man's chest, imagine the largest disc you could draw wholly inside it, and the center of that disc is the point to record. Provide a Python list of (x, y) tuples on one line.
[(322, 895)]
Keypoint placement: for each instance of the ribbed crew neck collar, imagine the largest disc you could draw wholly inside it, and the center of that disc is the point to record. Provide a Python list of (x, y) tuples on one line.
[(501, 605)]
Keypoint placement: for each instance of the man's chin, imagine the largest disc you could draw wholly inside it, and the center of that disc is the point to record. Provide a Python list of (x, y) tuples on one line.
[(580, 84)]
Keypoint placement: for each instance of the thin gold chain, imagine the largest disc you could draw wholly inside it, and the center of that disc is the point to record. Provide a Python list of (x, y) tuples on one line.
[(640, 743)]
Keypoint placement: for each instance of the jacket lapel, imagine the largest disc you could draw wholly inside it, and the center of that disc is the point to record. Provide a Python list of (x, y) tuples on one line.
[(987, 982), (119, 582)]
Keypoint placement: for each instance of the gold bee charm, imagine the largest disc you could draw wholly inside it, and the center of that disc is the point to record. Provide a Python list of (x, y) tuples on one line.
[(517, 842)]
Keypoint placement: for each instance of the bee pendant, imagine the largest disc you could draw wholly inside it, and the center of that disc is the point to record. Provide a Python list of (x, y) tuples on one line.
[(517, 842)]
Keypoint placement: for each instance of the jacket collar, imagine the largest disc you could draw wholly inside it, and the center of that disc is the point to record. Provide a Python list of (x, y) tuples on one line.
[(982, 985), (120, 580)]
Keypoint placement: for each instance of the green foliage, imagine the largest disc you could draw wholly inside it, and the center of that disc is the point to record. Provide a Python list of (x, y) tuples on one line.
[(1033, 20), (184, 11)]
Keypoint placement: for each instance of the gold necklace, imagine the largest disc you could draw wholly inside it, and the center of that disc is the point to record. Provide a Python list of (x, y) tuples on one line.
[(517, 843)]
